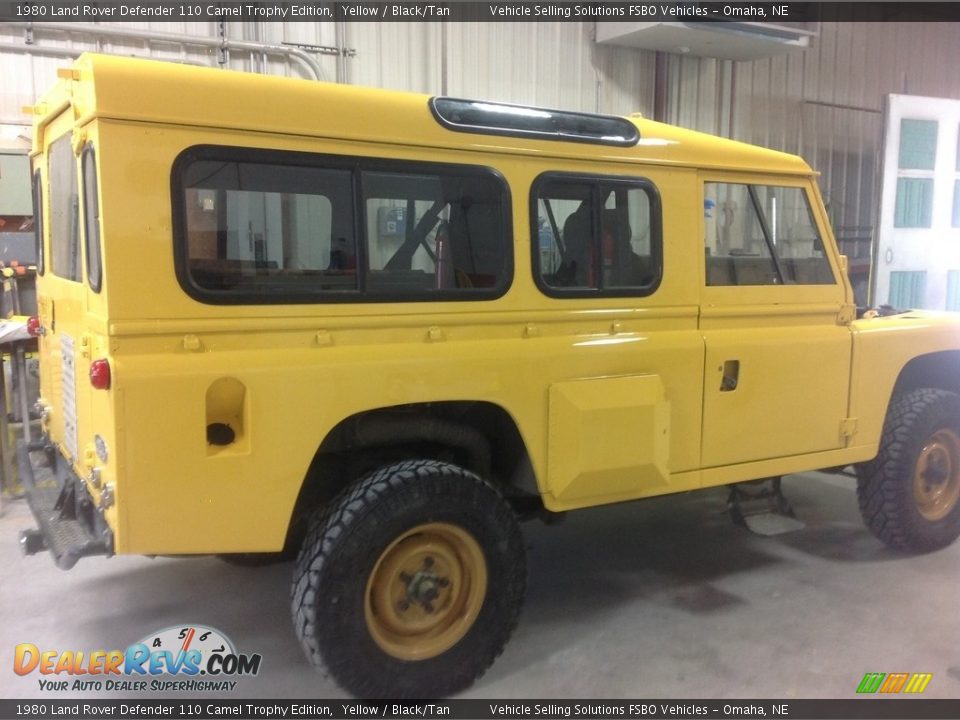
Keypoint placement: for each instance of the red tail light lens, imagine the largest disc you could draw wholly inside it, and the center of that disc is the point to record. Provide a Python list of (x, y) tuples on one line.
[(33, 326), (100, 374)]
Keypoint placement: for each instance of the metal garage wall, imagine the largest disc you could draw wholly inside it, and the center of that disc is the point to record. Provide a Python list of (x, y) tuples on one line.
[(27, 69), (544, 63), (825, 104)]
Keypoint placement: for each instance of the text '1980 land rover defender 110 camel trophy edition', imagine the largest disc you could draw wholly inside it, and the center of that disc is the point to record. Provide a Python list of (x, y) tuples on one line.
[(373, 330)]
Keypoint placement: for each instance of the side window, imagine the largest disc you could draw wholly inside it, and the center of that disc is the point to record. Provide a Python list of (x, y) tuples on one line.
[(762, 235), (268, 230), (294, 227), (598, 236), (91, 217), (38, 219), (428, 232), (64, 211)]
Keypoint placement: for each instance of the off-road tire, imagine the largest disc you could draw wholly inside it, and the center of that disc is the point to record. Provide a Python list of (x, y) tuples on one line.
[(885, 485), (345, 544)]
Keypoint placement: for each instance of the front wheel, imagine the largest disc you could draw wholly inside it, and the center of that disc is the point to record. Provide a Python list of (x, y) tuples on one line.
[(909, 495), (410, 583)]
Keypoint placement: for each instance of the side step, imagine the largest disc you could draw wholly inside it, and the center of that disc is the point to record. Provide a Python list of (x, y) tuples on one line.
[(761, 507)]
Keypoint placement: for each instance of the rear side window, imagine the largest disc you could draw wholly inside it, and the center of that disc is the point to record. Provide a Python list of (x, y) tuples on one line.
[(38, 219), (596, 236), (762, 235), (64, 211), (272, 227), (91, 217)]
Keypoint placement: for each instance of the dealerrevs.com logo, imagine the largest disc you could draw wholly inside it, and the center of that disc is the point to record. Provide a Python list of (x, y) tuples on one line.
[(186, 658)]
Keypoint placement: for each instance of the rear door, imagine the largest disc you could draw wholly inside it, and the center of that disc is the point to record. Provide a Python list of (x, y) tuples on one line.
[(64, 290)]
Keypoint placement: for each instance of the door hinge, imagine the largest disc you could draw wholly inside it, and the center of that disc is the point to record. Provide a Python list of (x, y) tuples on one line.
[(847, 314), (848, 427)]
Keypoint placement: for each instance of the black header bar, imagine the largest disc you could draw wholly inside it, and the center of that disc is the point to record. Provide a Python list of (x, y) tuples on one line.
[(244, 709), (42, 11)]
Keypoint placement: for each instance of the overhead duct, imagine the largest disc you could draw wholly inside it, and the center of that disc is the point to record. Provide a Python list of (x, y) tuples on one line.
[(723, 40)]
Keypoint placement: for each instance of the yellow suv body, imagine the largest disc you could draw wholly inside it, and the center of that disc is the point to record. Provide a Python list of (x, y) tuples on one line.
[(376, 327)]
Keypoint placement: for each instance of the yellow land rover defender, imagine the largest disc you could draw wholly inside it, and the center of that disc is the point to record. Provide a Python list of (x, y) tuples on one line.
[(373, 330)]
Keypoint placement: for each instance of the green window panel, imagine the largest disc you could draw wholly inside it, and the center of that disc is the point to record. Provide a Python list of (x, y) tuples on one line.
[(918, 144), (953, 290), (914, 208), (908, 289)]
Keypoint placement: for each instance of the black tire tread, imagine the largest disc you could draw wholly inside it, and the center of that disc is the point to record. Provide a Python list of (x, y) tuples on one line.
[(368, 501), (884, 491)]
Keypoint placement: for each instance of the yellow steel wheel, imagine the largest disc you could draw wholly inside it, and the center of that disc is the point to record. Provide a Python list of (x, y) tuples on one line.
[(425, 591), (936, 476)]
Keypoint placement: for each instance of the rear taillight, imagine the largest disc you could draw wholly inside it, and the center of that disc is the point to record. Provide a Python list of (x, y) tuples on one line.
[(100, 374), (33, 326)]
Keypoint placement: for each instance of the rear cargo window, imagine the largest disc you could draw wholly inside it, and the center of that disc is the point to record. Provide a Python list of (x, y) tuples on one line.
[(91, 217), (273, 227), (38, 219), (64, 211)]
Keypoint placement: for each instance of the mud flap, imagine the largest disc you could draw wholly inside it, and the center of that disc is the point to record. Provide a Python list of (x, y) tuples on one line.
[(762, 508)]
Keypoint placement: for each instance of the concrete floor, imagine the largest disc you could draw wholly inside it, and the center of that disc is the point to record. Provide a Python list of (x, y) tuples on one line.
[(663, 598)]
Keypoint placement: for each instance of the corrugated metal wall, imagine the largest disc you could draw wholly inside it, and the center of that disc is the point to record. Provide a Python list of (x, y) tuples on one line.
[(824, 103), (542, 63)]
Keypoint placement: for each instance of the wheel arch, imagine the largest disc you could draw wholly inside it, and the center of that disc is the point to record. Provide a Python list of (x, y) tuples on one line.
[(940, 370), (480, 436)]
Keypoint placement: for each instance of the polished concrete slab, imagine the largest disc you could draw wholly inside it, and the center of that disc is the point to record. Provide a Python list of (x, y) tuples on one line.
[(663, 598)]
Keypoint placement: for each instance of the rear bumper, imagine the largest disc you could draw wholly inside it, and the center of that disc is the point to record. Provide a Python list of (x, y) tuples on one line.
[(69, 524)]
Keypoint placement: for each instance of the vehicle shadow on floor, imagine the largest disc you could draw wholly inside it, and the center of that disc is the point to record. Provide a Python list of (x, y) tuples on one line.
[(682, 552)]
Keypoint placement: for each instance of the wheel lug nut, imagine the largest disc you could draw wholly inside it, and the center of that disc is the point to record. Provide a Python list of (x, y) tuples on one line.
[(442, 582), (403, 606), (428, 607), (428, 562), (405, 578)]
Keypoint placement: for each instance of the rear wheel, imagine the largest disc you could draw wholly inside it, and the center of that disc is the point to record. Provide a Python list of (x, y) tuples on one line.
[(909, 494), (411, 582)]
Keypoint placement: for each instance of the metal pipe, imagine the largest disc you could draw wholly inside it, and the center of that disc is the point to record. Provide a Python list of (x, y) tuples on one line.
[(660, 80), (40, 49), (340, 38), (293, 53)]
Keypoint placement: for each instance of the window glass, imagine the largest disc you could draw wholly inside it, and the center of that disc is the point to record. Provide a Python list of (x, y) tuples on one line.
[(500, 119), (908, 289), (429, 232), (918, 144), (597, 235), (269, 229), (64, 211), (914, 203), (956, 203), (91, 214), (286, 230), (762, 235), (38, 219), (794, 235)]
